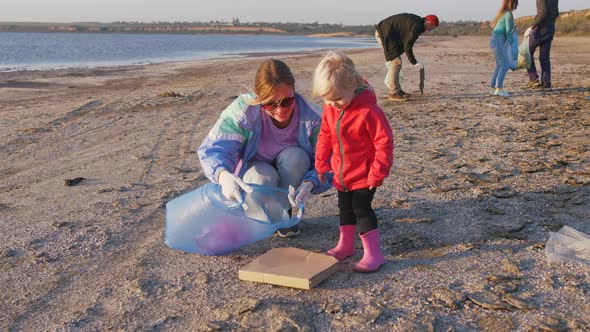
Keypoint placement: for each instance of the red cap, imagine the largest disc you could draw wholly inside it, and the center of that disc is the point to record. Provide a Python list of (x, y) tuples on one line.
[(432, 19)]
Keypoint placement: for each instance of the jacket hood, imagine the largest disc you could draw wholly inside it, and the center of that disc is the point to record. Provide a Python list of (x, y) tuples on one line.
[(366, 97)]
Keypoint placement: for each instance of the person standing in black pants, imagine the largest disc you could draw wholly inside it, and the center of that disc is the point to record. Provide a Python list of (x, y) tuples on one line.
[(541, 36)]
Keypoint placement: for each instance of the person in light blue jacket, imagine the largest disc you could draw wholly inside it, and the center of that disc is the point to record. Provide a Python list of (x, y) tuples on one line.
[(502, 39), (266, 137)]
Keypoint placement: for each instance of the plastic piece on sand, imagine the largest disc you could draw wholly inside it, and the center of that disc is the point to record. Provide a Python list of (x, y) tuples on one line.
[(568, 245), (73, 182)]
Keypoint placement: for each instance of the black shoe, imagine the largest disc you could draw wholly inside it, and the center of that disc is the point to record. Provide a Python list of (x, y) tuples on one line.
[(404, 94), (536, 85), (289, 232), (541, 87)]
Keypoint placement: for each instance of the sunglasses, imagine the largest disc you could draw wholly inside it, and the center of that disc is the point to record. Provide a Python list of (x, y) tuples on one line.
[(286, 102)]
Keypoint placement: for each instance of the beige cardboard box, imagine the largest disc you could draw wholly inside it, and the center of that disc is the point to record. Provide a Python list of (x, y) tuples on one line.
[(290, 267)]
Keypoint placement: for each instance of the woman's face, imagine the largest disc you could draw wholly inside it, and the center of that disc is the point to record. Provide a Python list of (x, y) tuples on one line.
[(339, 99), (282, 104)]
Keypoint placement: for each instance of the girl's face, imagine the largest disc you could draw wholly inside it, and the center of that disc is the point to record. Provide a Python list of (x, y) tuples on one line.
[(281, 107), (339, 99)]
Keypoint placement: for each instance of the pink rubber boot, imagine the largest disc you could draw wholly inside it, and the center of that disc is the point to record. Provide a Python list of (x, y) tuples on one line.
[(373, 256), (345, 246)]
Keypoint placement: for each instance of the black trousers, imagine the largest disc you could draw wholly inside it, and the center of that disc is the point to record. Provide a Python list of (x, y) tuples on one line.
[(541, 38), (355, 207)]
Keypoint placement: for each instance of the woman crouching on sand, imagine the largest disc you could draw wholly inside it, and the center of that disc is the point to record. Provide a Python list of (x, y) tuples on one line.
[(266, 137)]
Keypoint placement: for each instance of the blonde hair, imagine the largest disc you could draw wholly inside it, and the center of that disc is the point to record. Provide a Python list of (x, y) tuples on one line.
[(336, 72), (269, 76), (507, 5)]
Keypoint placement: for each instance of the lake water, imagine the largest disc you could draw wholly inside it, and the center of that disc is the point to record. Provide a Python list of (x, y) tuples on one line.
[(20, 51)]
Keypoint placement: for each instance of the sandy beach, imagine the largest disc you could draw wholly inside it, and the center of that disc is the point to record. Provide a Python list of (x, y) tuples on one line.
[(477, 185)]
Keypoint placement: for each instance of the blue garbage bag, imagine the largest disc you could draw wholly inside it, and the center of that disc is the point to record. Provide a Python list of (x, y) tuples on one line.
[(512, 50), (203, 221)]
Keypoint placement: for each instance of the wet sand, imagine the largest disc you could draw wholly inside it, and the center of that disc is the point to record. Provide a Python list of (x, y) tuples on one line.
[(478, 184)]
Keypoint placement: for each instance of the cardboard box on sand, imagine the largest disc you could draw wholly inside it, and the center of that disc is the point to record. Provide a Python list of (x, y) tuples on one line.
[(290, 267)]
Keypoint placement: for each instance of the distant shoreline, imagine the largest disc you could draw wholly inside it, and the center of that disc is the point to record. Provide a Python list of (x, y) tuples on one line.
[(574, 22), (188, 28)]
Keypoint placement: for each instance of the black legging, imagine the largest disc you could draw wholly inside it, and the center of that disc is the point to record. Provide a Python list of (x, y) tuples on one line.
[(356, 206)]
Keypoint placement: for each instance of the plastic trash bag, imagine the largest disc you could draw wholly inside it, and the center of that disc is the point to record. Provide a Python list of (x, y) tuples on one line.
[(568, 245), (205, 222), (524, 55), (512, 50)]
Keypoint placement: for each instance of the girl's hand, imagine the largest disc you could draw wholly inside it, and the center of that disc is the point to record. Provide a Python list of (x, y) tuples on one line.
[(322, 177)]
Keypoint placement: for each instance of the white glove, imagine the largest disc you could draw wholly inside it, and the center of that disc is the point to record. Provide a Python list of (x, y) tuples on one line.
[(301, 195), (419, 65), (231, 185), (528, 32)]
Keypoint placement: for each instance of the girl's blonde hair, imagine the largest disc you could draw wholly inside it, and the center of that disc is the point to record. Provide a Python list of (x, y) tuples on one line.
[(269, 76), (507, 5), (336, 72)]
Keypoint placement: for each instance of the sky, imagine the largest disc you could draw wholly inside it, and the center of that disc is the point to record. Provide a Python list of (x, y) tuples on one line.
[(347, 12)]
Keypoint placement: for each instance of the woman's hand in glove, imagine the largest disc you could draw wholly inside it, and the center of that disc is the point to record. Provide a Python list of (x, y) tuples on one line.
[(231, 185), (301, 195)]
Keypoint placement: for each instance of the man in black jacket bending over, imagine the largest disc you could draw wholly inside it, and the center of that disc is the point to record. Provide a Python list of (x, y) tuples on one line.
[(541, 36), (397, 35)]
